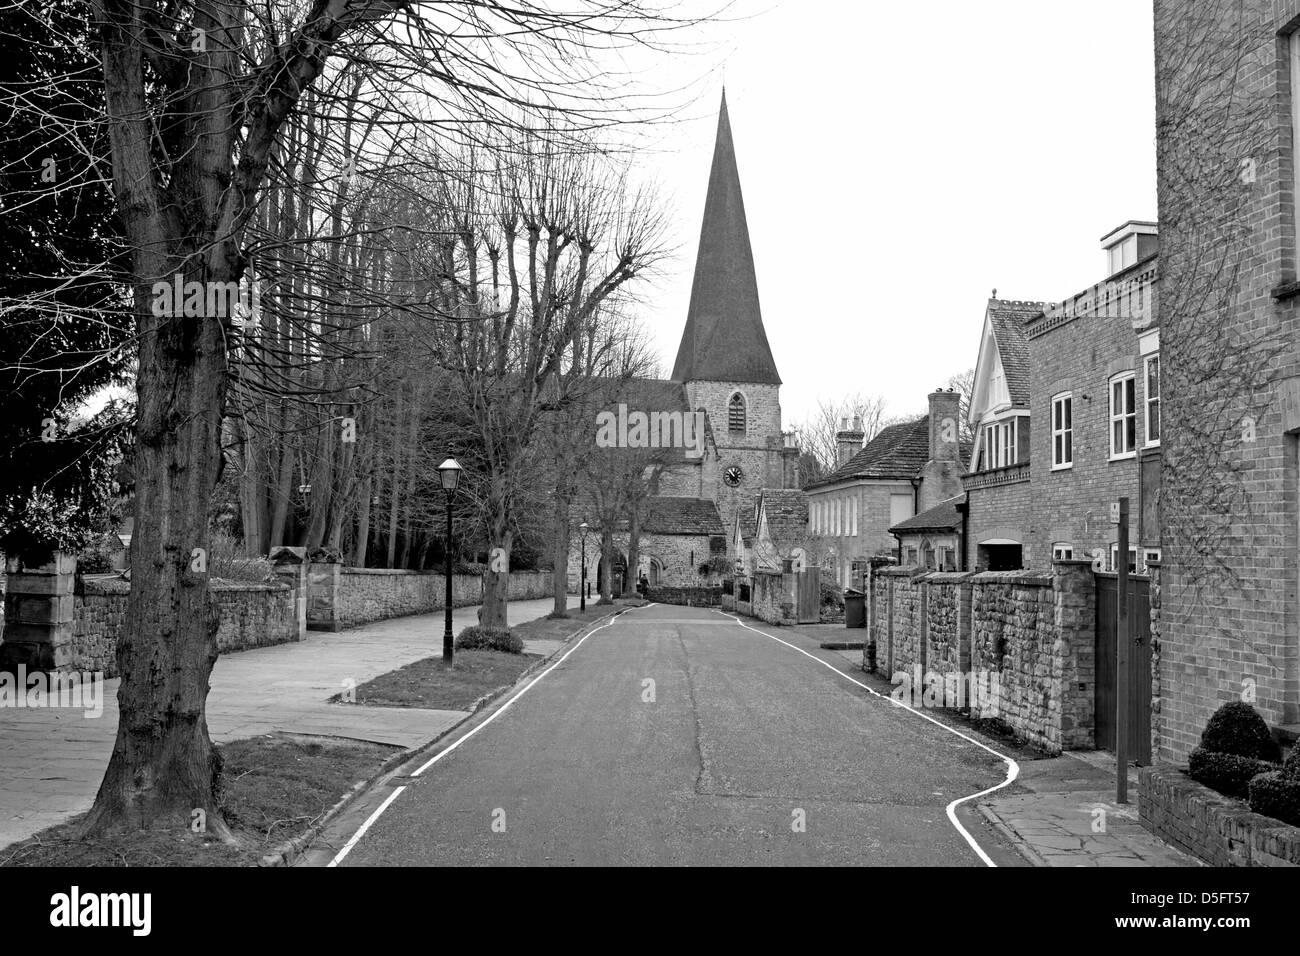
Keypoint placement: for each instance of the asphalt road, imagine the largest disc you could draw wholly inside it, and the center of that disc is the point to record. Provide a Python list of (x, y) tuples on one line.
[(749, 753)]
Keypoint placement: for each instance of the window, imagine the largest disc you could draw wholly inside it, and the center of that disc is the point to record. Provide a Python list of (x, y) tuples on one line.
[(1063, 431), (1123, 416), (910, 560), (736, 413), (1062, 551), (1152, 395), (999, 443), (1114, 559), (1149, 555)]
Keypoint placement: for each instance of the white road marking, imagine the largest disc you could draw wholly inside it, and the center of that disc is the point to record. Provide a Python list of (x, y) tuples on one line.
[(1013, 768), (356, 837)]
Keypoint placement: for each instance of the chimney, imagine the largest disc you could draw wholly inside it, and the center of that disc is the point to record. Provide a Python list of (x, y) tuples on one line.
[(848, 440), (945, 425)]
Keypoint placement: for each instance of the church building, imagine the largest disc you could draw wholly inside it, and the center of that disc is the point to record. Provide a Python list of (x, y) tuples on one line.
[(725, 369)]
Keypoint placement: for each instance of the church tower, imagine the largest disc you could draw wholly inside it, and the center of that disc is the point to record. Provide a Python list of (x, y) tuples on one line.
[(724, 360)]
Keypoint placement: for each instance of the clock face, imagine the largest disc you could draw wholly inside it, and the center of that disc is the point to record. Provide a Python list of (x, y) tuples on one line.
[(733, 476)]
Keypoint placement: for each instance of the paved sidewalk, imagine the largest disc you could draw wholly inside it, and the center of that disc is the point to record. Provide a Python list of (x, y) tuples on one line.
[(51, 760), (1069, 816)]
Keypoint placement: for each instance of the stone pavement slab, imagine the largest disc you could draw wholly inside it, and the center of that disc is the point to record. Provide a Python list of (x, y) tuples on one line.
[(52, 760), (1062, 812)]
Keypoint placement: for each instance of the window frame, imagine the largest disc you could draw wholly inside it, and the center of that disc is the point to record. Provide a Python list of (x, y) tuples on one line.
[(1123, 417), (1062, 546), (1114, 556), (1064, 432), (744, 414), (1149, 554), (1148, 401)]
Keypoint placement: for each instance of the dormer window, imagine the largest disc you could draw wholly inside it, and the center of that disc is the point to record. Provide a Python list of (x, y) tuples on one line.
[(736, 413)]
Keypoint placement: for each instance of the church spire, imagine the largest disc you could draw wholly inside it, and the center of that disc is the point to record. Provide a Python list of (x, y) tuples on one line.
[(724, 340)]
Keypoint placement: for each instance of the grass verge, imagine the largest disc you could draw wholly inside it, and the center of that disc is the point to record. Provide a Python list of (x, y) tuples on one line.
[(430, 683), (273, 788)]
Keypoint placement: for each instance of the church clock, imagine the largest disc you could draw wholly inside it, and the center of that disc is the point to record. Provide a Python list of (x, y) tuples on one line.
[(733, 476)]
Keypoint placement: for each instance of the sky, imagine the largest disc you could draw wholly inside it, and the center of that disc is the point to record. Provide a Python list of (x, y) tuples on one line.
[(899, 162)]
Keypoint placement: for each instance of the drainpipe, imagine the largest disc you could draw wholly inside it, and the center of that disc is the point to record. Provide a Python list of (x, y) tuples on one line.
[(963, 509), (898, 548)]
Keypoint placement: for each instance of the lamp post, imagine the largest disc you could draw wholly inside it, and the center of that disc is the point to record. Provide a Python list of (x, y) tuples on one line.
[(582, 585), (449, 473)]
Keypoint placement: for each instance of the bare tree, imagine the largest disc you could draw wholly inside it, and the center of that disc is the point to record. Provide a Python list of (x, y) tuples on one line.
[(817, 432), (198, 102)]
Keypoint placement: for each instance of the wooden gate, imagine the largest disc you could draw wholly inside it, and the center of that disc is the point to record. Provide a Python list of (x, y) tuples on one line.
[(1139, 666), (808, 595)]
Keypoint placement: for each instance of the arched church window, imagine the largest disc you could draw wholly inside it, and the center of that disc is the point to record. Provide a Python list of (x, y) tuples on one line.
[(736, 413)]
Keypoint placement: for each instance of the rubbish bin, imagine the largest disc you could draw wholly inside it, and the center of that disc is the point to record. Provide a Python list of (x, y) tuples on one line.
[(855, 608)]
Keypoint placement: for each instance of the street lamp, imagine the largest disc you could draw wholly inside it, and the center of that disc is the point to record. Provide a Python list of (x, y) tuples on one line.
[(449, 473), (582, 585)]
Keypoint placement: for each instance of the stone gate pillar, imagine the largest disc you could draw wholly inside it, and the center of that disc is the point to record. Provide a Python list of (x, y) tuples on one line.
[(323, 574), (38, 604), (290, 567)]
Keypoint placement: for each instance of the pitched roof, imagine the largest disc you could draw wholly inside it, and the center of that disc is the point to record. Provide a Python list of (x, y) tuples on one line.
[(724, 339), (898, 451), (683, 516), (1008, 319), (942, 517), (786, 511)]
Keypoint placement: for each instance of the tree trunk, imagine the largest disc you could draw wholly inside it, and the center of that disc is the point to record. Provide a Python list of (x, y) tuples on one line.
[(633, 550), (163, 767), (606, 567), (560, 577)]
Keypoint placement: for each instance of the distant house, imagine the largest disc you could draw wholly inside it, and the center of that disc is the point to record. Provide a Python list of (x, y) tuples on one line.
[(780, 529), (933, 538), (906, 469), (1087, 371)]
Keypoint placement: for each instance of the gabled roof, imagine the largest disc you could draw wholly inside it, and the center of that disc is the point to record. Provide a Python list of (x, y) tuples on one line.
[(664, 515), (786, 512), (942, 517), (1008, 320), (724, 339), (898, 451), (683, 516)]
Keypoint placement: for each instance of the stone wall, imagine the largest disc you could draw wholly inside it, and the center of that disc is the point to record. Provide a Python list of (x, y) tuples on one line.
[(1017, 646), (773, 598), (374, 594), (251, 615), (1214, 828), (687, 597)]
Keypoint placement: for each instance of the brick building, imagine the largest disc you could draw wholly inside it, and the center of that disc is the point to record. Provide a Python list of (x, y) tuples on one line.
[(1086, 372), (1228, 625), (907, 468)]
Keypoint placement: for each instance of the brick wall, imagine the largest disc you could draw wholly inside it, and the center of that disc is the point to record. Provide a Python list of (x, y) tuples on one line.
[(1071, 505), (1001, 506), (1229, 621), (1217, 829)]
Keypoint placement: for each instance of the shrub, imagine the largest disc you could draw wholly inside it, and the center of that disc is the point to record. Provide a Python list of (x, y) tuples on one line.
[(831, 595), (1227, 773), (227, 562), (1236, 728), (477, 637), (1292, 766), (1276, 795)]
